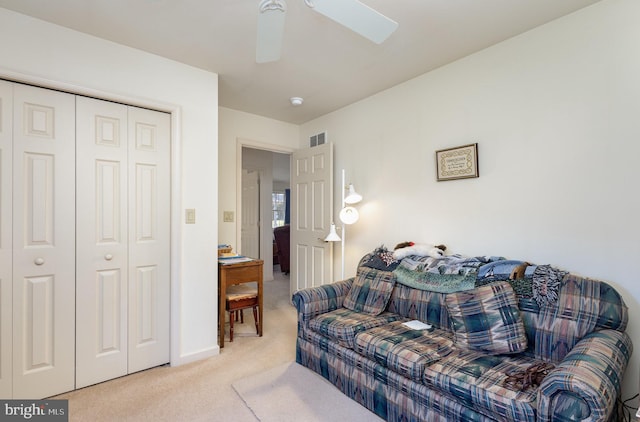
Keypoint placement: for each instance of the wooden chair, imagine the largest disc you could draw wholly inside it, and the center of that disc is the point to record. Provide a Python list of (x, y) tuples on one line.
[(238, 298)]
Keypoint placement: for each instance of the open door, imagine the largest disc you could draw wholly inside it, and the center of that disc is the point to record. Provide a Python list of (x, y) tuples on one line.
[(250, 240), (311, 209)]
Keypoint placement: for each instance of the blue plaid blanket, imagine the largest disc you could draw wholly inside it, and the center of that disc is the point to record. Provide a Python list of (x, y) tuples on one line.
[(455, 273)]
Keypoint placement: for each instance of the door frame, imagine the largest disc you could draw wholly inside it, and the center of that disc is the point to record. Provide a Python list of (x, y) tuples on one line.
[(174, 111), (248, 143)]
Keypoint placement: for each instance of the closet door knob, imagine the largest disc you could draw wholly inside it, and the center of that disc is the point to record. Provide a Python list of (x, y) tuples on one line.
[(38, 261), (108, 257)]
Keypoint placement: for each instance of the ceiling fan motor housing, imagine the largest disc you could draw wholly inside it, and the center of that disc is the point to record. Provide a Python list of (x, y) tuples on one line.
[(273, 5)]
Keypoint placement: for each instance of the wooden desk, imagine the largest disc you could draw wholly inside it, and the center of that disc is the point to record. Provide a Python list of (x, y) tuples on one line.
[(230, 274)]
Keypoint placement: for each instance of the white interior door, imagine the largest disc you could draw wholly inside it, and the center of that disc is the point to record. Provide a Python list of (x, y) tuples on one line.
[(6, 248), (43, 242), (101, 224), (250, 228), (149, 237), (311, 205)]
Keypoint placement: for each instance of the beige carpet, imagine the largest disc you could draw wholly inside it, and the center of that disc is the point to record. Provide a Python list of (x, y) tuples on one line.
[(203, 391), (200, 391), (291, 392)]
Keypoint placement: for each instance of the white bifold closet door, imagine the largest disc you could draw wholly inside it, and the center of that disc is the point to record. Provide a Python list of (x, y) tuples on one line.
[(84, 240), (123, 230), (43, 242)]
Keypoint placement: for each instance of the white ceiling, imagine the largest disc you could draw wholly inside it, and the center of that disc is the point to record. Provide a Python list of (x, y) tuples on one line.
[(323, 62)]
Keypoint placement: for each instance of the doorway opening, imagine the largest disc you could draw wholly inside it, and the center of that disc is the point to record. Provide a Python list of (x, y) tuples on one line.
[(265, 177)]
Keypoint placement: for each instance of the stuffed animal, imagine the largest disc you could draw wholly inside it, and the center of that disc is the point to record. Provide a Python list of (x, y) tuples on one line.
[(519, 271), (403, 245), (405, 249)]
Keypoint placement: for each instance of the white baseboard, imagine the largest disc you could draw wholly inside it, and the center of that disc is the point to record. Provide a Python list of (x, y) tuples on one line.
[(192, 357)]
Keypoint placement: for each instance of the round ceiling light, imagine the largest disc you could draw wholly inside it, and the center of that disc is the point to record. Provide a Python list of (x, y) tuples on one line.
[(296, 101)]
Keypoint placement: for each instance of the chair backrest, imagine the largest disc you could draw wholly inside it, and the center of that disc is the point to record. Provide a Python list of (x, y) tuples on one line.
[(282, 237)]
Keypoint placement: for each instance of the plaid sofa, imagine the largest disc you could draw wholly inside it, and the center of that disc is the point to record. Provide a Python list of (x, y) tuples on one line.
[(352, 333)]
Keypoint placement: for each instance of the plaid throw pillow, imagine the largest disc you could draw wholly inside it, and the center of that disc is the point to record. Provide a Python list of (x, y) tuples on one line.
[(370, 291), (487, 319)]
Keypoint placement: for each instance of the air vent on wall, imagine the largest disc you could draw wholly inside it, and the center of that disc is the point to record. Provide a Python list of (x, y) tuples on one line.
[(318, 139)]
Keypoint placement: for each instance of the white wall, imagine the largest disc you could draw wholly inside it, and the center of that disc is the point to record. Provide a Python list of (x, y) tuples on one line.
[(236, 128), (52, 56), (555, 114)]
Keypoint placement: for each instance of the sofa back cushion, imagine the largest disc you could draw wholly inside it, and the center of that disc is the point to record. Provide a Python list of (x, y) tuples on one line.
[(418, 304), (487, 319), (584, 305)]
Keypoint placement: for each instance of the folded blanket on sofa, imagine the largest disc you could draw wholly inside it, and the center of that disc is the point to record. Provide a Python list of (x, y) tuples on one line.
[(455, 273), (445, 274), (538, 282)]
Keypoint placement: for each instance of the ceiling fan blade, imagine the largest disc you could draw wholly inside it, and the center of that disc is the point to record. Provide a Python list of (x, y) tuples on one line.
[(356, 16), (270, 30)]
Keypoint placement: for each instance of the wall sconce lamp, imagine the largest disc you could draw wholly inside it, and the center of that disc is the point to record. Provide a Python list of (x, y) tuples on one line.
[(348, 215)]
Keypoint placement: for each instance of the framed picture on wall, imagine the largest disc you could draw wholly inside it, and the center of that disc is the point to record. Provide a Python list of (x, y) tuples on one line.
[(457, 163)]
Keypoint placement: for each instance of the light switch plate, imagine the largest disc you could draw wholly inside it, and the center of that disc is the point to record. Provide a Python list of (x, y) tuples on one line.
[(190, 216), (227, 217)]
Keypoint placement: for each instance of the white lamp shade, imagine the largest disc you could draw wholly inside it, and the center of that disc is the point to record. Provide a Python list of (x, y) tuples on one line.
[(349, 215), (332, 236), (352, 197)]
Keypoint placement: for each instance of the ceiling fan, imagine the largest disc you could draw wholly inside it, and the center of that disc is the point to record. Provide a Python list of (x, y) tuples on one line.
[(352, 14)]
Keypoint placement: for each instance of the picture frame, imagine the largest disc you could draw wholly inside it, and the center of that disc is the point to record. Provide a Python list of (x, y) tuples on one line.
[(457, 163)]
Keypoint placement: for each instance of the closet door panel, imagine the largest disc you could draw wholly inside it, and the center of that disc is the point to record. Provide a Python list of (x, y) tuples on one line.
[(149, 238), (6, 247), (101, 320), (43, 242)]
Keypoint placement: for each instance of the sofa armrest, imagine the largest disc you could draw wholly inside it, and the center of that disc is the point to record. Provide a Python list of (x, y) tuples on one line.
[(585, 385), (314, 301)]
